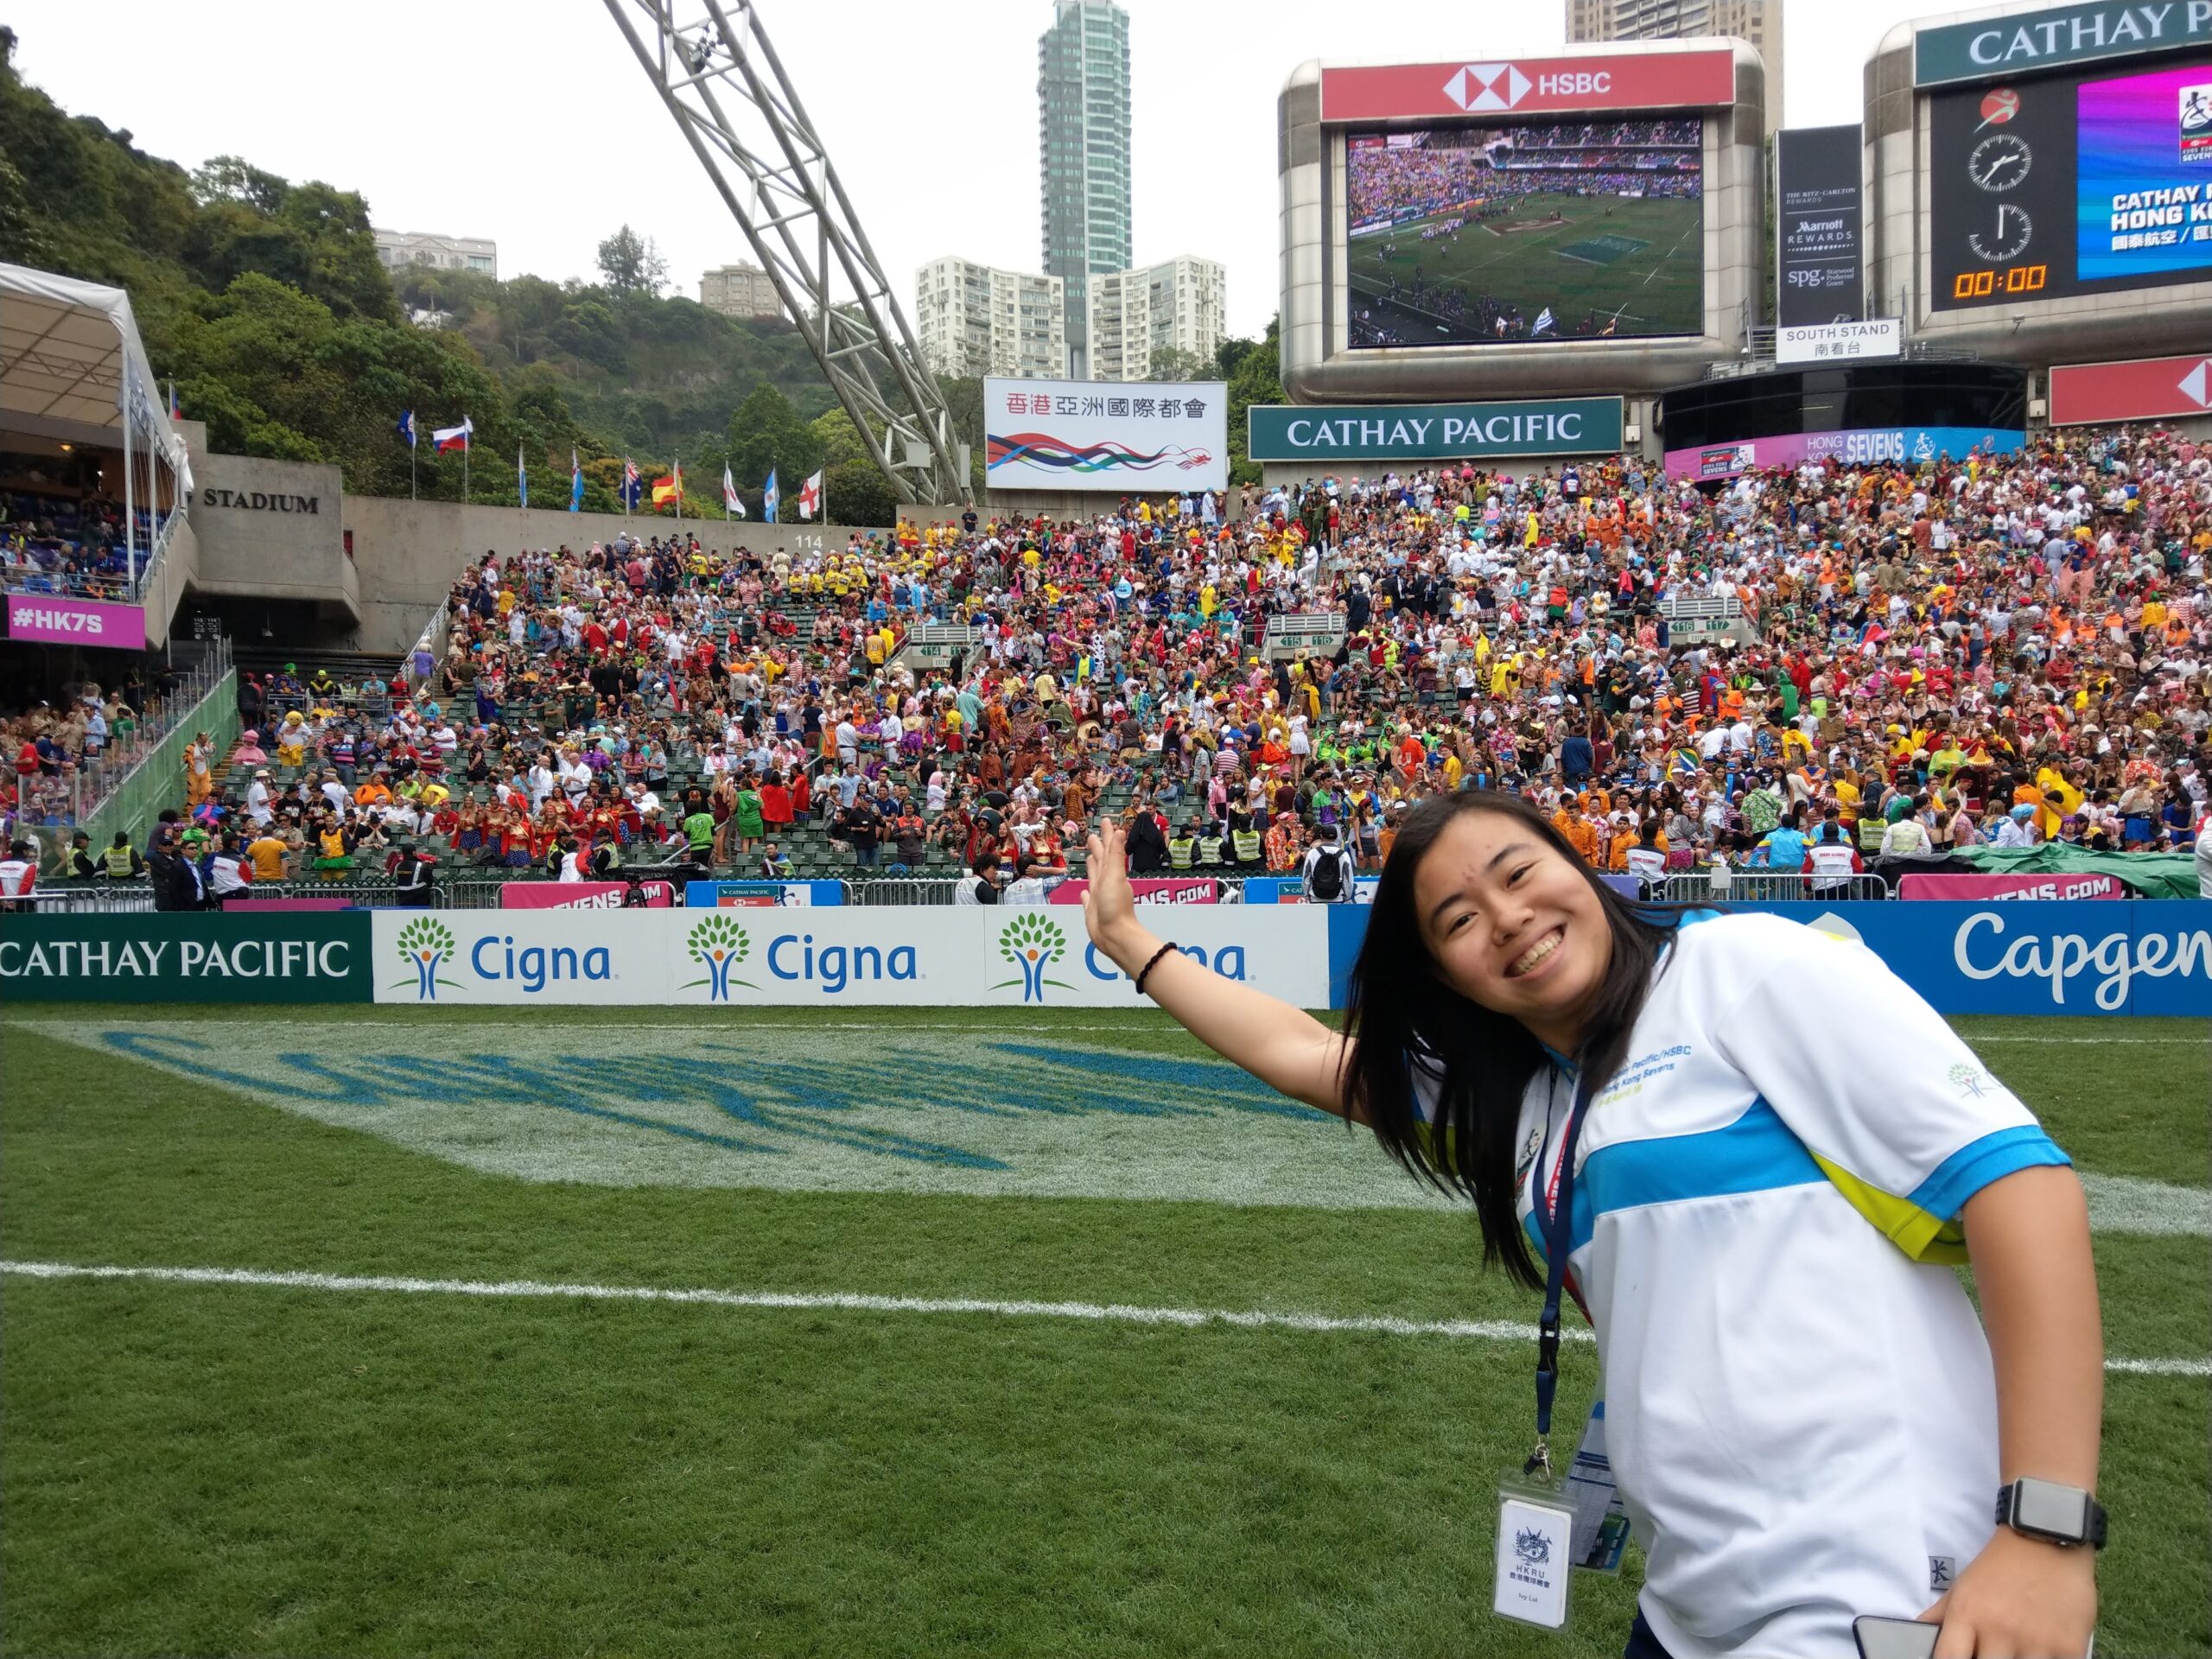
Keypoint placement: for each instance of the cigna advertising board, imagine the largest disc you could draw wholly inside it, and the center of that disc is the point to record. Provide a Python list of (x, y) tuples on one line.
[(922, 957)]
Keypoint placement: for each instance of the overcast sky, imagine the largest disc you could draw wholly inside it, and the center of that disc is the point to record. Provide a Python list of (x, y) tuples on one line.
[(530, 121)]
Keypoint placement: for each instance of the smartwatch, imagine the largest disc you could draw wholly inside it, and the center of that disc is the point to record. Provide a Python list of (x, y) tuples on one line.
[(2065, 1516)]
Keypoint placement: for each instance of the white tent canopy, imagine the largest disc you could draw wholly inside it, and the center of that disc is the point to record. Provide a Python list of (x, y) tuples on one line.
[(68, 348)]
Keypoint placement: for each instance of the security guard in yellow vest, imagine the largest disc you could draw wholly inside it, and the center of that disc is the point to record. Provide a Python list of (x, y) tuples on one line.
[(1181, 848)]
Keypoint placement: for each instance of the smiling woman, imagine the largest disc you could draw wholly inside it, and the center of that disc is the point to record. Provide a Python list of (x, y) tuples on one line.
[(1753, 1154)]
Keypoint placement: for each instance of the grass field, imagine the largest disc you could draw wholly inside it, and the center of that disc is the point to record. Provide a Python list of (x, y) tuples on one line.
[(1640, 260), (998, 1334)]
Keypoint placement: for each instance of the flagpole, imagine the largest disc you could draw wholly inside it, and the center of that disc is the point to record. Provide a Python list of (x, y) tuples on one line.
[(410, 468), (465, 447)]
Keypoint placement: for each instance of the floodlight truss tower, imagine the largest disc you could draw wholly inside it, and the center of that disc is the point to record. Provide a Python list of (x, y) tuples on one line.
[(713, 67)]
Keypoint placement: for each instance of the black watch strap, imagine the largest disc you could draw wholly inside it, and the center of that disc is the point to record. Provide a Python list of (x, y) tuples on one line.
[(2092, 1522)]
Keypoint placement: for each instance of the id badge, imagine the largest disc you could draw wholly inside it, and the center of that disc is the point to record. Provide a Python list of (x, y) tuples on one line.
[(1601, 1521), (1534, 1532)]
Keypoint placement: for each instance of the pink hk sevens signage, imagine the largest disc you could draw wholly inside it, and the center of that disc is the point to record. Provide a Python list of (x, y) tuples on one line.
[(1976, 888), (60, 620), (582, 895)]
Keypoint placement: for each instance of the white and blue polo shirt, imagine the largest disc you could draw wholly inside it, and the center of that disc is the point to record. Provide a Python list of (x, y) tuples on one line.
[(1800, 1406)]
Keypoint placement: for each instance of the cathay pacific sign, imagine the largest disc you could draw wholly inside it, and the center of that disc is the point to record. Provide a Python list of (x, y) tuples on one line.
[(1558, 426), (2030, 41)]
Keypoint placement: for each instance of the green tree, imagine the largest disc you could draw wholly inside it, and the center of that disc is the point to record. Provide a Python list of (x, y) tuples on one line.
[(631, 264), (857, 492), (1173, 363), (1255, 377), (231, 178)]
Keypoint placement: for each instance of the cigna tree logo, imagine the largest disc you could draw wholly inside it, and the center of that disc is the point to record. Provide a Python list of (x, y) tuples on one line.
[(718, 944), (1032, 944), (426, 946)]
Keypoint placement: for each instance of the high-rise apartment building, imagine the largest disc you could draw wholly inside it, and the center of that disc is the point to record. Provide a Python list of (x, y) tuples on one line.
[(739, 291), (1759, 21), (972, 319), (1134, 315), (1083, 121), (397, 249)]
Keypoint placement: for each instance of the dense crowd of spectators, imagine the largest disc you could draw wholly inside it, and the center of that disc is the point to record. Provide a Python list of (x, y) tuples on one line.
[(1981, 649), (1394, 183), (66, 542)]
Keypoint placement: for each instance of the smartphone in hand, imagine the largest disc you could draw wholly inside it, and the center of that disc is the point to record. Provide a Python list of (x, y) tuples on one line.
[(1894, 1638)]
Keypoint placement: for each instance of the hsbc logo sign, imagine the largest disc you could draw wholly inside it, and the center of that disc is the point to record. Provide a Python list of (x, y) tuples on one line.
[(1487, 86), (1501, 85)]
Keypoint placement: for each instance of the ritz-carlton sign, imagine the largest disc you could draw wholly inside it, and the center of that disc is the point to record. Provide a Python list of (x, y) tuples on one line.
[(262, 501)]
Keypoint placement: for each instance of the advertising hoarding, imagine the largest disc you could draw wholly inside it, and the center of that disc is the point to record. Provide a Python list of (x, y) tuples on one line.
[(1557, 426), (1121, 438), (203, 957), (1502, 233), (2092, 183), (2144, 389), (58, 620), (1860, 447), (2028, 42), (1659, 81), (1820, 246)]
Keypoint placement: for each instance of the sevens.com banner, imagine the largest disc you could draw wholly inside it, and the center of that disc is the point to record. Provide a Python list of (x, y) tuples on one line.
[(762, 957)]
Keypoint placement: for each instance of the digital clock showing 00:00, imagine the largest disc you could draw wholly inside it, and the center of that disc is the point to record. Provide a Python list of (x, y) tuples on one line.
[(1984, 285)]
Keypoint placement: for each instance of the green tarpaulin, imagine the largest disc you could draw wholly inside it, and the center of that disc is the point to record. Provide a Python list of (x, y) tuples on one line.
[(2155, 875)]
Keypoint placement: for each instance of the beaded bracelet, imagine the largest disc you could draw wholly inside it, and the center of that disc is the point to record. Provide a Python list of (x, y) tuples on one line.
[(1154, 963)]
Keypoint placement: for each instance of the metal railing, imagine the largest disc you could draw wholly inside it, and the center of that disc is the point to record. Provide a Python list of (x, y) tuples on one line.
[(1762, 886), (901, 890), (431, 641)]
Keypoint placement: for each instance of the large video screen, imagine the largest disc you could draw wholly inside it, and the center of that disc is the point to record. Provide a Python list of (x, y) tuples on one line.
[(1569, 230), (2077, 184)]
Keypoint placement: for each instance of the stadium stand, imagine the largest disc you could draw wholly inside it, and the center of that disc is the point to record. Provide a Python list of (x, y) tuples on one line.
[(2008, 650)]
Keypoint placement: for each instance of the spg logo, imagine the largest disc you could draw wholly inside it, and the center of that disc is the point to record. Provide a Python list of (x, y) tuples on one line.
[(1032, 944), (718, 944), (426, 946)]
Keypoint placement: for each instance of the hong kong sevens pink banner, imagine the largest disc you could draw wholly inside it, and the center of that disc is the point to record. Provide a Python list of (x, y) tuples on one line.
[(60, 620), (1149, 890), (582, 895), (2021, 885)]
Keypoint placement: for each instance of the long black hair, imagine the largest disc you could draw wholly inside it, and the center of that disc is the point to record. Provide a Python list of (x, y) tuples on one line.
[(1403, 1015)]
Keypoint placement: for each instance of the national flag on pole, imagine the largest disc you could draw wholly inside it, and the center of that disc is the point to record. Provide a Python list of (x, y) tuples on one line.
[(575, 483), (634, 484), (176, 411), (768, 497), (406, 428), (731, 501), (454, 437), (809, 497), (669, 487), (522, 478)]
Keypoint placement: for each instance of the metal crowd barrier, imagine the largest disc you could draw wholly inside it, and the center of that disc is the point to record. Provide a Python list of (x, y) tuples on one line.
[(1761, 886), (901, 890)]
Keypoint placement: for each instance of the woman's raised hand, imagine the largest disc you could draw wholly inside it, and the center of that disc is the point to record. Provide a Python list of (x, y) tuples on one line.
[(1109, 905)]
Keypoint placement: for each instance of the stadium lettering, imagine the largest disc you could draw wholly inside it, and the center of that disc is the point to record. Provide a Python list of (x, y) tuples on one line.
[(260, 501), (535, 966), (834, 966), (2063, 956)]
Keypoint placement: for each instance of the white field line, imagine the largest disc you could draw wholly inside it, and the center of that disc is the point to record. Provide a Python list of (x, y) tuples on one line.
[(542, 1019), (845, 1301)]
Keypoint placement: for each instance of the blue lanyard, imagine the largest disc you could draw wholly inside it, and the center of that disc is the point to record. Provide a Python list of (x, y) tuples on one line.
[(1558, 1227)]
